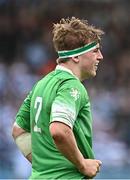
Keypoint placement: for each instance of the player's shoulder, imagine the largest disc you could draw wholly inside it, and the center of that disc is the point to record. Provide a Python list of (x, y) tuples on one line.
[(71, 83)]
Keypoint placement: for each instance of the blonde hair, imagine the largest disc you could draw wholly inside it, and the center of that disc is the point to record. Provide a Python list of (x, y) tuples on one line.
[(73, 33)]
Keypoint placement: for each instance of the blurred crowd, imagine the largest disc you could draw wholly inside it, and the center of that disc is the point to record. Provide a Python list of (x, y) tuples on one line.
[(27, 54)]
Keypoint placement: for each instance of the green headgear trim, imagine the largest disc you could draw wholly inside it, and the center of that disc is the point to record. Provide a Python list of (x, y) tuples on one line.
[(77, 51)]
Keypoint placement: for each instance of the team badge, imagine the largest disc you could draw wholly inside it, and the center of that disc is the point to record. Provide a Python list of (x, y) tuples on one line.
[(74, 93)]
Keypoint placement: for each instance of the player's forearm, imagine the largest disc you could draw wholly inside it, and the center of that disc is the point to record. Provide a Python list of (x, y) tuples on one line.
[(17, 131), (23, 141), (66, 143)]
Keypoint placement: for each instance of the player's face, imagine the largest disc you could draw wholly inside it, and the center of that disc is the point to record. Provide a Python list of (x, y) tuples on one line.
[(89, 61)]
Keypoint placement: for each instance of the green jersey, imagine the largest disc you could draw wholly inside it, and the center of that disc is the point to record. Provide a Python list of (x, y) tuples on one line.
[(59, 96)]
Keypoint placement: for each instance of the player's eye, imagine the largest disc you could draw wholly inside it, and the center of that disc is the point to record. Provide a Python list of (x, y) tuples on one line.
[(96, 50)]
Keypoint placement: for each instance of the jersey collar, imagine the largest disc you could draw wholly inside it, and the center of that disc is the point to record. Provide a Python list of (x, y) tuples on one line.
[(62, 68)]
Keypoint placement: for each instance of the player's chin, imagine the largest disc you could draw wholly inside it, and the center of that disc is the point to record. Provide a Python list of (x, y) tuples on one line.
[(93, 74)]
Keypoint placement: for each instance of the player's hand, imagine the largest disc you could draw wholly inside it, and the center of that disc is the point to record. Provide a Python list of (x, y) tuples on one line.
[(90, 167)]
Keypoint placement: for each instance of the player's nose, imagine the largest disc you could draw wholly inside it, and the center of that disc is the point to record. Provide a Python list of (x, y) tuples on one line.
[(100, 56)]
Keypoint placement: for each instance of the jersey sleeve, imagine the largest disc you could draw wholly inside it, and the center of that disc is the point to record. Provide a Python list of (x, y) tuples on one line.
[(67, 104), (23, 115)]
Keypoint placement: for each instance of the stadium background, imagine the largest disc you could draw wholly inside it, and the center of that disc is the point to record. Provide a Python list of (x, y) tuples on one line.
[(27, 54)]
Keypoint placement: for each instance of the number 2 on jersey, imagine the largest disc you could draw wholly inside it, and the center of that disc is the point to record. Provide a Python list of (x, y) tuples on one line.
[(38, 107)]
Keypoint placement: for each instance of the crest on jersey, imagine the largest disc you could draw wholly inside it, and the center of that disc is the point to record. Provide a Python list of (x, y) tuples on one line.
[(74, 93)]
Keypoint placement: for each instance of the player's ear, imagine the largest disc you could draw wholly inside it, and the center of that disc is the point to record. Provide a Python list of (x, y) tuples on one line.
[(75, 59)]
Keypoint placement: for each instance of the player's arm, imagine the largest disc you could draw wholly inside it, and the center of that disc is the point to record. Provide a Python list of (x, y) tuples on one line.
[(21, 128), (65, 141), (64, 111), (23, 141)]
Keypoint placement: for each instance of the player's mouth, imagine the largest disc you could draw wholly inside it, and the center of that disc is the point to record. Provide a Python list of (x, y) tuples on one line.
[(96, 66)]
